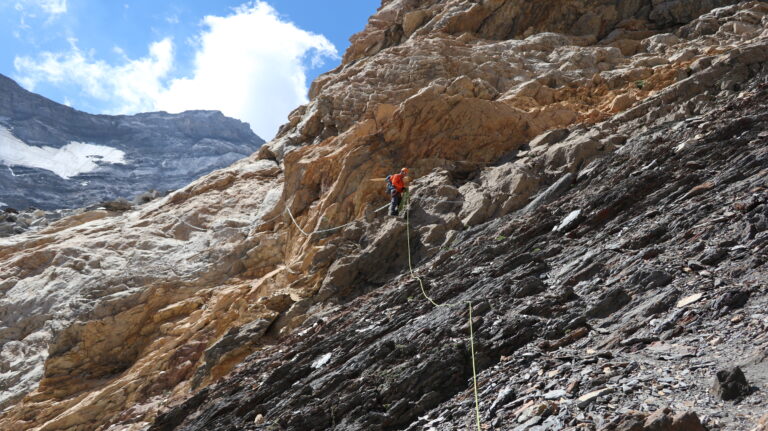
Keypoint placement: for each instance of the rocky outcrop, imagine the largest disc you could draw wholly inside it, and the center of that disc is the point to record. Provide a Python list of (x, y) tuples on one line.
[(64, 158), (93, 292), (605, 326), (509, 46), (597, 199)]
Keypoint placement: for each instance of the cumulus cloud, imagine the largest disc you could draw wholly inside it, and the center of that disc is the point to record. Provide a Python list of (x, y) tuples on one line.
[(132, 87), (250, 65)]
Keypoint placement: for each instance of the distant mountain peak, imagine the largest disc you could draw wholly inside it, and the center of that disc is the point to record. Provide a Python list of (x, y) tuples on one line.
[(49, 148)]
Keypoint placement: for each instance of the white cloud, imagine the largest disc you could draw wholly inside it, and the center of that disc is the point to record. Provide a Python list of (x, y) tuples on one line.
[(51, 7), (250, 65), (131, 87)]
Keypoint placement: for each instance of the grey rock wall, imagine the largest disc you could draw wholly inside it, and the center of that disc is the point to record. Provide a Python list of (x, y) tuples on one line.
[(162, 151)]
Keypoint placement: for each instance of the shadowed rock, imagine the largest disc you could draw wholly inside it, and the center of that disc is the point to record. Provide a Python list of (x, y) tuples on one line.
[(730, 384)]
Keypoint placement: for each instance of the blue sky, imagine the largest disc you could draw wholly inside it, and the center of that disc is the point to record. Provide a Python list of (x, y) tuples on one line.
[(253, 60)]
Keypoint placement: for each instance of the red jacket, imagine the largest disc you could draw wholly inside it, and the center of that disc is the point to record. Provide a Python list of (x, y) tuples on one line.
[(397, 182)]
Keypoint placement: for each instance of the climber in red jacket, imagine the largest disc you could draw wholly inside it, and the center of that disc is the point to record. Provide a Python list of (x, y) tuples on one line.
[(396, 185)]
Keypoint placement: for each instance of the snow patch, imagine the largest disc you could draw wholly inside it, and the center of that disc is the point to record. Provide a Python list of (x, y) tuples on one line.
[(321, 360), (68, 161)]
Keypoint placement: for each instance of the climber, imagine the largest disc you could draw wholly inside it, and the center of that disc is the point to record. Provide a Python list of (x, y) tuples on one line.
[(396, 185)]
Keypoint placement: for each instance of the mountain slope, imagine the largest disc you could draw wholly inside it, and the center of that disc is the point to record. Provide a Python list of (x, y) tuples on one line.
[(56, 157), (563, 304), (578, 188)]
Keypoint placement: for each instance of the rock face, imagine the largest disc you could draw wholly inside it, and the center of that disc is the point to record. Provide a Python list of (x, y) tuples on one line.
[(589, 178), (56, 157)]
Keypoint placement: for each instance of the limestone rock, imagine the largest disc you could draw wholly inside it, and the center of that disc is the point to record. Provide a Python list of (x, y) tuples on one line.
[(549, 138)]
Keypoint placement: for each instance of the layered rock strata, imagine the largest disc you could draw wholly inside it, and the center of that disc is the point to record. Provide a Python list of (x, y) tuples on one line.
[(590, 176), (613, 306)]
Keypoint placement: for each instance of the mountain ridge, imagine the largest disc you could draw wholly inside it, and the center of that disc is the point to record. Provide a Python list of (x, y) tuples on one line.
[(196, 142)]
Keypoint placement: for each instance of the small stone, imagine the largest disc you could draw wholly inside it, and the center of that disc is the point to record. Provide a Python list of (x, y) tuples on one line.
[(588, 398), (532, 421), (687, 421), (730, 384), (555, 395), (713, 255), (569, 222), (688, 300), (659, 420), (573, 387)]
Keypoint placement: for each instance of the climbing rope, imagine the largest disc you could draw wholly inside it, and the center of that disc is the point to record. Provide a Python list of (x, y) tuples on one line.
[(441, 201), (474, 367), (294, 222), (324, 230), (407, 206), (293, 219), (446, 304), (190, 225)]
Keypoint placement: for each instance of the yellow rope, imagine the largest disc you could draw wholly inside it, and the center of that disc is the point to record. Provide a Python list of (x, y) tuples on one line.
[(424, 292), (474, 369), (308, 234)]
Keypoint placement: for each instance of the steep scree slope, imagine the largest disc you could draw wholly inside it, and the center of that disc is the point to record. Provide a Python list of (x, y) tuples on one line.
[(646, 116), (158, 151)]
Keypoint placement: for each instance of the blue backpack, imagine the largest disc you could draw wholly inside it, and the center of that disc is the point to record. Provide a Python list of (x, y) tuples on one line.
[(390, 187)]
